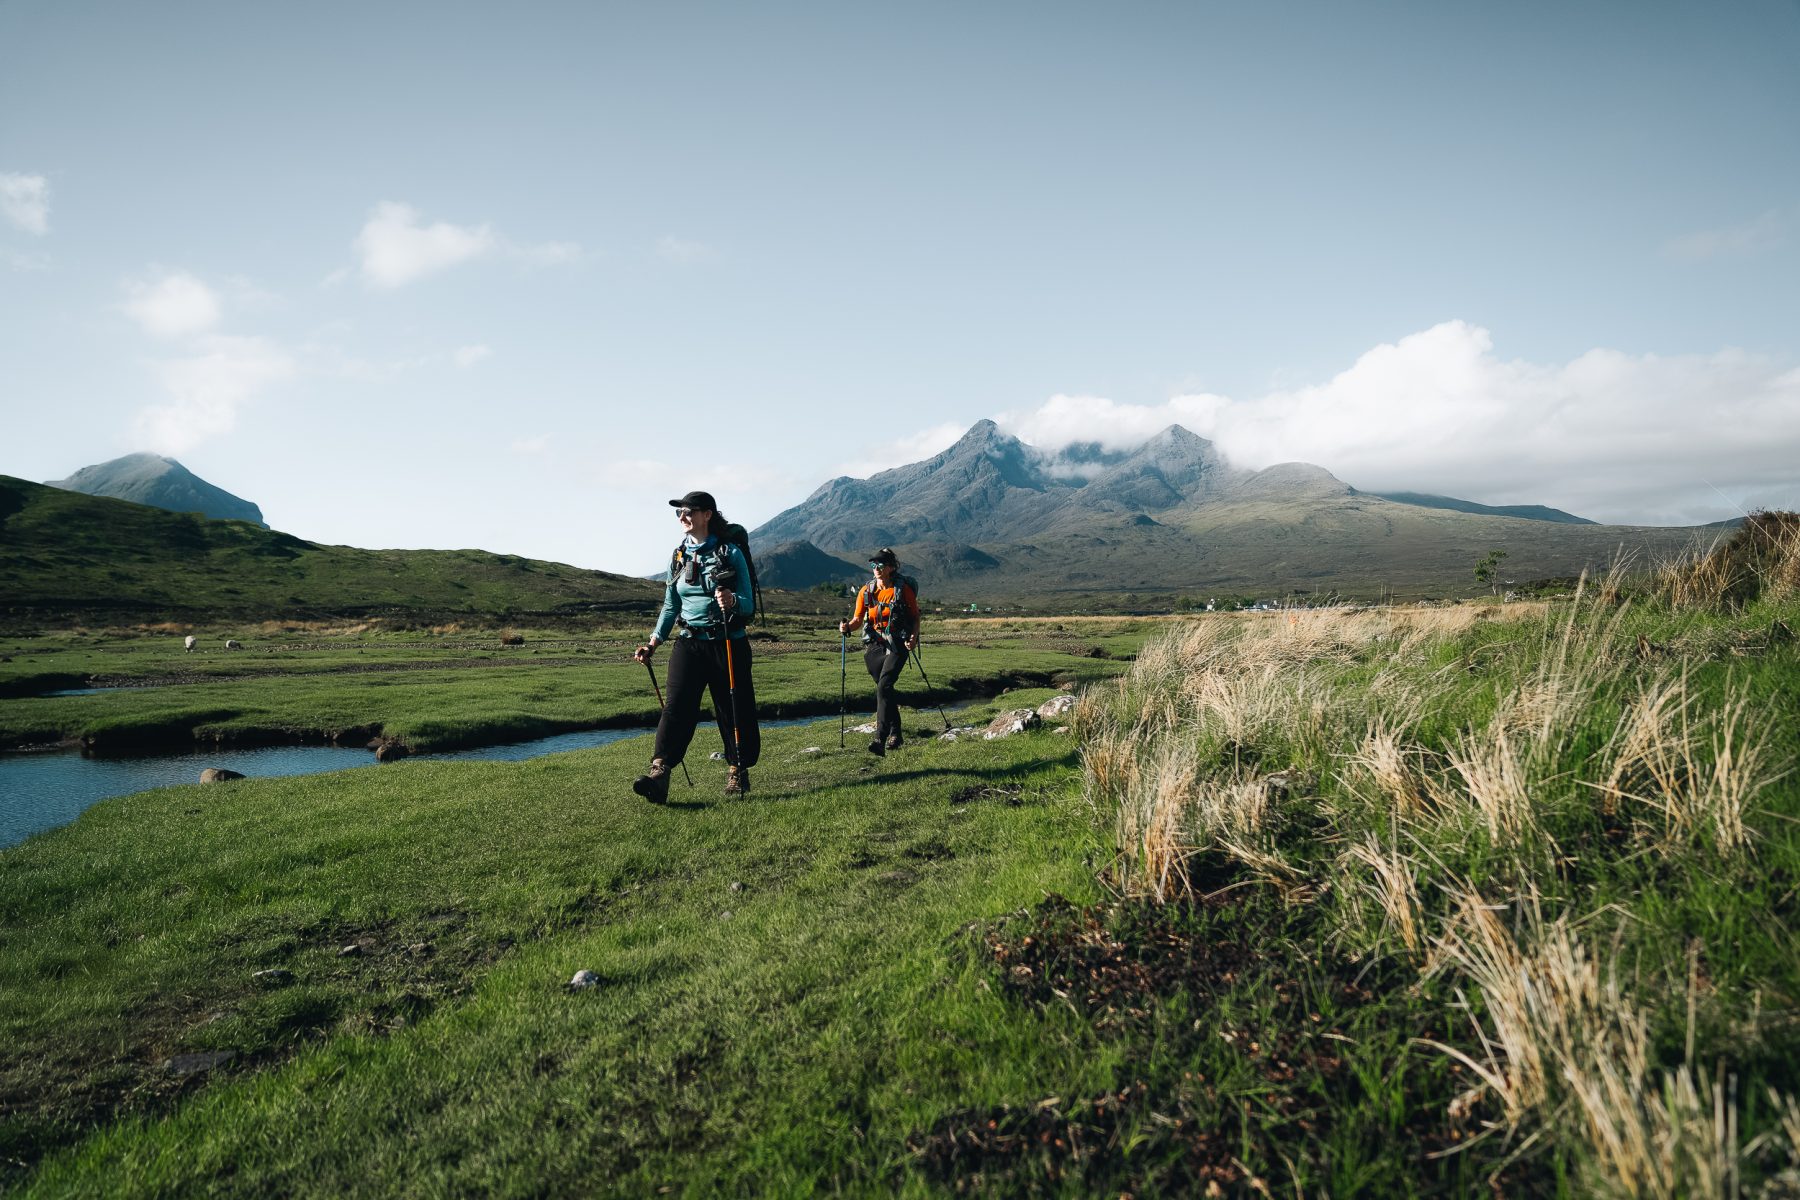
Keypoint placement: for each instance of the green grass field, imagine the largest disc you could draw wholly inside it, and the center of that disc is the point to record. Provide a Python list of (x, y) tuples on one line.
[(460, 687), (1459, 901)]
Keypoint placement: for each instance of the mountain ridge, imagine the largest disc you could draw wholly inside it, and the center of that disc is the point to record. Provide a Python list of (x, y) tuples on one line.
[(991, 514)]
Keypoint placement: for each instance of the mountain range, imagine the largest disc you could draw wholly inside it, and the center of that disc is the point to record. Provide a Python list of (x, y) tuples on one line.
[(993, 516)]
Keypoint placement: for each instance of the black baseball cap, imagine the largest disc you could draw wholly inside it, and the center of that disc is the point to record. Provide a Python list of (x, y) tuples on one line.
[(696, 500), (884, 557)]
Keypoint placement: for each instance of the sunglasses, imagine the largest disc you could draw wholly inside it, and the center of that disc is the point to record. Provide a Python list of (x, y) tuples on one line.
[(688, 512)]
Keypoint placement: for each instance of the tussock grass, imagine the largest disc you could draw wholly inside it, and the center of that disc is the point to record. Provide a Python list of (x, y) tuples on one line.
[(1488, 792)]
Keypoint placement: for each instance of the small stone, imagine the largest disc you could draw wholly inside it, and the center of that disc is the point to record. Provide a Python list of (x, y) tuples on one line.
[(419, 949), (585, 979), (194, 1064), (353, 950), (273, 977), (1017, 720), (218, 775), (726, 915), (717, 756), (865, 727), (810, 750), (737, 885)]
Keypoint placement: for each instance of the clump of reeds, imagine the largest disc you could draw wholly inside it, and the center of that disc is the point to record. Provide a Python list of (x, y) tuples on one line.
[(1561, 1035), (1697, 772), (1760, 560)]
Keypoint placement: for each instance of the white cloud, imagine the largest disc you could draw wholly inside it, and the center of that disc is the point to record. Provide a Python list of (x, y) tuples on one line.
[(871, 460), (208, 387), (174, 305), (25, 199), (681, 250), (1759, 234), (396, 249), (532, 446), (1615, 437), (467, 356)]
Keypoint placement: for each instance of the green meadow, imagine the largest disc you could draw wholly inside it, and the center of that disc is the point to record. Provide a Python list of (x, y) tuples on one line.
[(451, 686), (1469, 900)]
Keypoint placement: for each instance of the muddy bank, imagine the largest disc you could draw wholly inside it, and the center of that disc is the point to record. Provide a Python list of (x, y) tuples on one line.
[(189, 733)]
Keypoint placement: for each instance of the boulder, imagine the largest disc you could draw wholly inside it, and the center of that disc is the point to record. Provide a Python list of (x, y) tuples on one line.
[(218, 775), (584, 979), (1016, 720), (389, 749), (1056, 706)]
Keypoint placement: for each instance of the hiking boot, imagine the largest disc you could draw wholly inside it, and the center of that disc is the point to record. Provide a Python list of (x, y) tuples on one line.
[(893, 742), (653, 786), (877, 748), (737, 781)]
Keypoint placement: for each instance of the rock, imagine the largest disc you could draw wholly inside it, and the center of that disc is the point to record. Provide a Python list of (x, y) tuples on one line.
[(584, 979), (957, 734), (194, 1064), (273, 977), (389, 749), (866, 727), (737, 886), (810, 750), (233, 644), (726, 915), (218, 775), (717, 756), (353, 950), (1017, 720), (512, 639), (1056, 706)]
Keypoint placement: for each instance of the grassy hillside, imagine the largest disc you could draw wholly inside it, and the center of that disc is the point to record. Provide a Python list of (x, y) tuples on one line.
[(63, 553)]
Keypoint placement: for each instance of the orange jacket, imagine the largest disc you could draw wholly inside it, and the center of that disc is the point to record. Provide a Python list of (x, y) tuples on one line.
[(880, 609)]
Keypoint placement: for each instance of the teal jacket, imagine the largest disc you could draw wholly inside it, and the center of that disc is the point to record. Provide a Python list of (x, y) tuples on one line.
[(693, 602)]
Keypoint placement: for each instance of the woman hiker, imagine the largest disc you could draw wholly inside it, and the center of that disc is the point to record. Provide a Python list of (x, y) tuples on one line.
[(887, 610), (708, 598)]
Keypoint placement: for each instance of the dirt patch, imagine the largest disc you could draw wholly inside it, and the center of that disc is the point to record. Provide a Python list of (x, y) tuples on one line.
[(1055, 1143), (1234, 1025)]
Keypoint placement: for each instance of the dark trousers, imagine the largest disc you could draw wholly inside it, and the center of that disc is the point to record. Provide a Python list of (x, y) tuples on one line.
[(884, 663), (696, 667)]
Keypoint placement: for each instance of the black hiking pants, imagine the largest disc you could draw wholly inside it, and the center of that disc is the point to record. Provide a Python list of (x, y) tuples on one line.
[(885, 664), (695, 668)]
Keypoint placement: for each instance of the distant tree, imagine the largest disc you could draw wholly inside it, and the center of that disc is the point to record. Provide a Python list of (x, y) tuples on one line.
[(1488, 569)]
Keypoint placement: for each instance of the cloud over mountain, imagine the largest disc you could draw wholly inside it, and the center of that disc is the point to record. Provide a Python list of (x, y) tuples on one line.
[(1620, 437)]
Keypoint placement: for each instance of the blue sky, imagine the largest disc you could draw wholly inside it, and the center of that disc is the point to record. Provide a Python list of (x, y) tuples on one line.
[(445, 275)]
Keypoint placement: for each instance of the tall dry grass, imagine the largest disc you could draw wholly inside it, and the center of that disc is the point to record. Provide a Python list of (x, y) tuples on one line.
[(1760, 560), (1562, 1039)]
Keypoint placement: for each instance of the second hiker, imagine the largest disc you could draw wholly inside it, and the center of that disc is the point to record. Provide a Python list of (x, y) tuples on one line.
[(887, 611), (708, 597)]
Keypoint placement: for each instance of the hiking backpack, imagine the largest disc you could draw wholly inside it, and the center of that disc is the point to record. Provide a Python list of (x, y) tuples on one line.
[(738, 536), (901, 583)]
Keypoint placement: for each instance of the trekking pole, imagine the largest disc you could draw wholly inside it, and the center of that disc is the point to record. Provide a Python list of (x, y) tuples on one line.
[(919, 662), (843, 685), (737, 734), (665, 708)]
